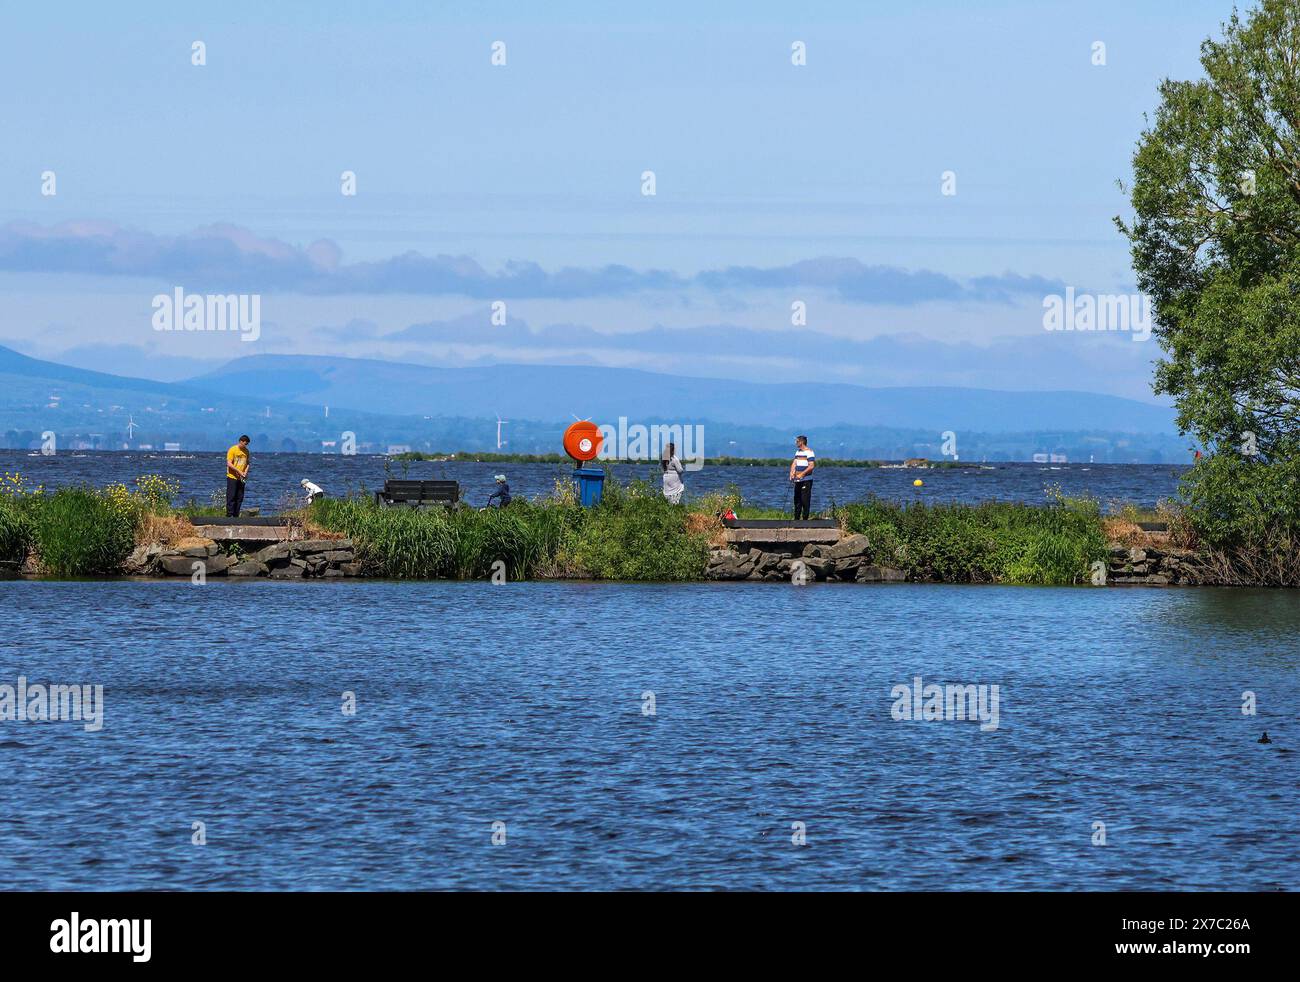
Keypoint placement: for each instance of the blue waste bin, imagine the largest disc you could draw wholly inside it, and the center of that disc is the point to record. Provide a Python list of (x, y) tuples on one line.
[(591, 485)]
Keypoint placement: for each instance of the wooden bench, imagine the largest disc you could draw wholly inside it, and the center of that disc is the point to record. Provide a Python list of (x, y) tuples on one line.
[(417, 494)]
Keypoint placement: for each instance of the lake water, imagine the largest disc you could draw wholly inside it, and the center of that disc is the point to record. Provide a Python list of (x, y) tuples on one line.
[(275, 475), (525, 704)]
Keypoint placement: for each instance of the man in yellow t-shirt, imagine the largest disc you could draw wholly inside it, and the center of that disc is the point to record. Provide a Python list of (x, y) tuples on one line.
[(236, 476)]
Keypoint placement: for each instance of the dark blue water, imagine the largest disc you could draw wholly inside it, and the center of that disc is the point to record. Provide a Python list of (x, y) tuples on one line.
[(522, 704), (277, 475)]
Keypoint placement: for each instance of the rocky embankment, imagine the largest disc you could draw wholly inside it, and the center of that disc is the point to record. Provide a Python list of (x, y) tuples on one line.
[(1156, 566), (845, 560), (279, 561)]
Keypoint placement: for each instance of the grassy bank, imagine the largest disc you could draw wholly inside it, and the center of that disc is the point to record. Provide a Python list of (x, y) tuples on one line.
[(77, 531), (992, 542), (635, 535)]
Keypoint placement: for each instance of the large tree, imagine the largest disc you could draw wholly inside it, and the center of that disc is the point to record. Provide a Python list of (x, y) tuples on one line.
[(1216, 244)]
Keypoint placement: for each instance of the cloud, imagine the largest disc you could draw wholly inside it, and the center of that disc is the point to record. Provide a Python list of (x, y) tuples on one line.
[(226, 258)]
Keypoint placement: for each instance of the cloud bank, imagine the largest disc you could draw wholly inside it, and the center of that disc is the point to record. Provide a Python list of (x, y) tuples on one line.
[(226, 258)]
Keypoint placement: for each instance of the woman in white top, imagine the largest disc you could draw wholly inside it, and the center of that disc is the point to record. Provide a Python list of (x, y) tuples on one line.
[(673, 470)]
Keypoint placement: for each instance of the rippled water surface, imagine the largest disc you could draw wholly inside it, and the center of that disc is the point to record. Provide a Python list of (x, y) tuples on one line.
[(524, 704)]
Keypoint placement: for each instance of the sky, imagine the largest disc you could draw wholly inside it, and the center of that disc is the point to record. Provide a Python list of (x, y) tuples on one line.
[(892, 211)]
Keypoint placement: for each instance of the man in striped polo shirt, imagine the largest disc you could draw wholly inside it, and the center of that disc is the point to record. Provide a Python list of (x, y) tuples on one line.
[(801, 468)]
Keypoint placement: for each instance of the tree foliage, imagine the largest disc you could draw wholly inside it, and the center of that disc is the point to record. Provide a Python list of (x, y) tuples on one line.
[(1215, 236)]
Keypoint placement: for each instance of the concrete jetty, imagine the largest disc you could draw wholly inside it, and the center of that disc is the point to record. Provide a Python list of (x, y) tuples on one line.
[(247, 529)]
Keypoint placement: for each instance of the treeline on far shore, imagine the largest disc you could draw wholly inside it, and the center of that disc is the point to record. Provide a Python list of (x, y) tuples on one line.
[(556, 458)]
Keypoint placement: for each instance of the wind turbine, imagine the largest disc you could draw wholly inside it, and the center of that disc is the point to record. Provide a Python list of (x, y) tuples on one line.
[(500, 422), (130, 427)]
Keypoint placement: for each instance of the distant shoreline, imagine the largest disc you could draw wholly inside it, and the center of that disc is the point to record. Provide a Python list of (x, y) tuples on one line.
[(489, 457), (464, 456)]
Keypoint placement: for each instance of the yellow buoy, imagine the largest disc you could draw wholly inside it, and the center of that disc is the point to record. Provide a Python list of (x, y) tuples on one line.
[(917, 483)]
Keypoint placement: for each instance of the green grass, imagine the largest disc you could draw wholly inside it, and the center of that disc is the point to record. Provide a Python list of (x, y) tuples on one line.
[(634, 535), (79, 531), (15, 530), (992, 542), (409, 543)]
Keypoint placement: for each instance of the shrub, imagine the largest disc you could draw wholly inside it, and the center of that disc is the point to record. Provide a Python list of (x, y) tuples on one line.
[(985, 543), (1235, 502), (81, 532), (636, 534)]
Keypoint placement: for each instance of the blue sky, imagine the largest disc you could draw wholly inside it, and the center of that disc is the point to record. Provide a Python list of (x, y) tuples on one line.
[(774, 182)]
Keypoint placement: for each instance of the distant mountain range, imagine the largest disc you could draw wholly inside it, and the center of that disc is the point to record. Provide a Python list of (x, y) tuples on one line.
[(282, 398), (603, 394)]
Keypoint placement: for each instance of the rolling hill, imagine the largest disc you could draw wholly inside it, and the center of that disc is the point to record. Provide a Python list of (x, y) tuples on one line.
[(568, 392)]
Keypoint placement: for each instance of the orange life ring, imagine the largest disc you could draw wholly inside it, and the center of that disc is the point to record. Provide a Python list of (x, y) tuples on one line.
[(582, 440)]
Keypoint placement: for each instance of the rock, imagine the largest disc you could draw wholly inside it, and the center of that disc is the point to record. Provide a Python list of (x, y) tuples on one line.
[(1155, 579), (176, 565), (338, 556), (307, 546), (184, 565), (249, 567), (818, 567), (723, 565), (350, 569), (300, 563), (143, 560), (272, 553), (332, 572), (848, 567), (196, 547), (854, 545), (290, 572), (218, 564), (880, 574), (815, 550), (1136, 555)]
